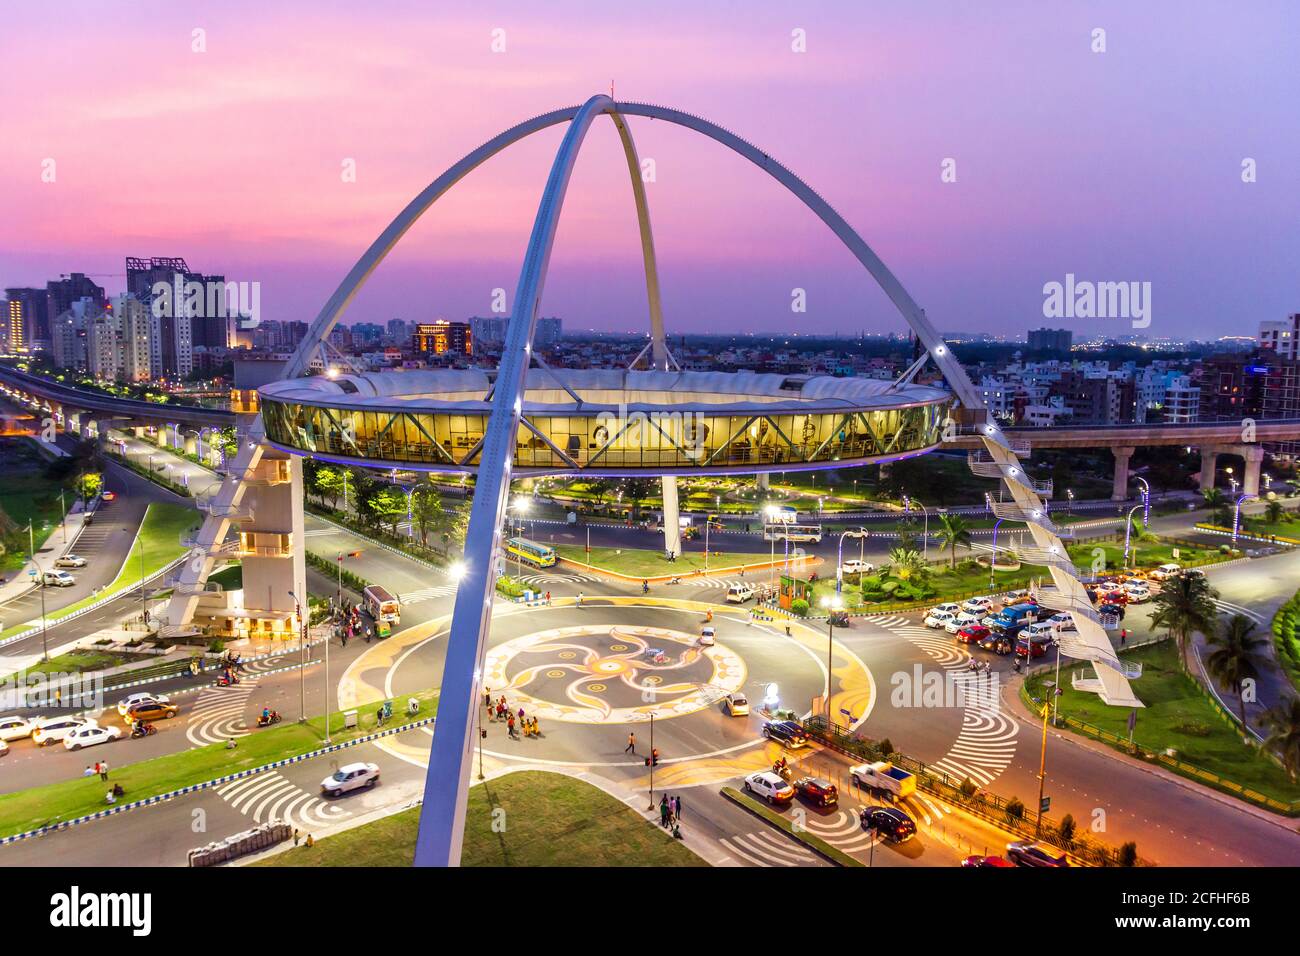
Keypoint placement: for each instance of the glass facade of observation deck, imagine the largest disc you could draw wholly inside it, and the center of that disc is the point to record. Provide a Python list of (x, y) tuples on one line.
[(606, 441)]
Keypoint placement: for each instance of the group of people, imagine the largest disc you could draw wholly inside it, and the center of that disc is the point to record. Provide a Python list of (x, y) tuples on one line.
[(978, 668), (516, 724), (348, 623), (670, 814), (101, 769)]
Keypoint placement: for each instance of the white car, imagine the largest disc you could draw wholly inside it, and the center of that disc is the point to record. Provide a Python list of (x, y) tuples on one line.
[(90, 735), (1165, 572), (946, 608), (978, 606), (857, 567), (70, 561), (58, 579), (1063, 622), (15, 728), (937, 618), (1137, 592), (140, 697), (707, 635), (49, 730), (769, 786), (737, 705), (1106, 587), (1039, 631), (4, 748), (739, 593), (354, 776)]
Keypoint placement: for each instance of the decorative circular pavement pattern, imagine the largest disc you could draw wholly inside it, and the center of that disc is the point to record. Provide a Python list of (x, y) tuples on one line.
[(612, 674)]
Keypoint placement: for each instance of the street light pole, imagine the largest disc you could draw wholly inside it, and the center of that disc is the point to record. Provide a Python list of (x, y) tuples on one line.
[(1042, 769), (1128, 531), (31, 540), (302, 663), (1236, 518), (1146, 502)]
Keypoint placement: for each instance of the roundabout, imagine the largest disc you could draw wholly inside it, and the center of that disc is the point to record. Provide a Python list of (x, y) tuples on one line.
[(594, 674)]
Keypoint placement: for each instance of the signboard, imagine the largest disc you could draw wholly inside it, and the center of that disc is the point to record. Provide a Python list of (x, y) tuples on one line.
[(1176, 552), (1045, 805)]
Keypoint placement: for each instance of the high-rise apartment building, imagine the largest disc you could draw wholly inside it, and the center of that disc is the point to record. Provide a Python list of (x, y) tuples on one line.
[(442, 337), (1281, 338)]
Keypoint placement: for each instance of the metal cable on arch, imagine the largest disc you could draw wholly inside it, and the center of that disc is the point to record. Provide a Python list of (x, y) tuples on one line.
[(442, 816)]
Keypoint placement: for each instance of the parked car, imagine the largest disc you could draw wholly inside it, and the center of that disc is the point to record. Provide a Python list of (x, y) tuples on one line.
[(1166, 571), (70, 561), (353, 776), (972, 634), (152, 710), (737, 704), (1137, 593), (49, 730), (55, 578), (769, 786), (90, 735), (998, 861), (889, 822), (937, 618), (787, 732), (817, 791), (140, 697), (15, 728), (884, 776), (739, 593), (855, 566), (1030, 853), (1063, 622)]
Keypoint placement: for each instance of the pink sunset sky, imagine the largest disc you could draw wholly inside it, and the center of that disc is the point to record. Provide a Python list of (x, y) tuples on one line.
[(1122, 165)]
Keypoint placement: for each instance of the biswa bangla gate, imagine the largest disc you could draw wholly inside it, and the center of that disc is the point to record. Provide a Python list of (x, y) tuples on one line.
[(530, 419)]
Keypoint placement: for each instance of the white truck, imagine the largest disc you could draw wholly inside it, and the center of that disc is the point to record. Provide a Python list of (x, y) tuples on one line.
[(885, 777)]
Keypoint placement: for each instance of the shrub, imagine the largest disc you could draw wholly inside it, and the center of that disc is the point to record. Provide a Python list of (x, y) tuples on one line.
[(886, 747), (799, 608), (1066, 830), (216, 645), (968, 787), (1015, 809), (1128, 854)]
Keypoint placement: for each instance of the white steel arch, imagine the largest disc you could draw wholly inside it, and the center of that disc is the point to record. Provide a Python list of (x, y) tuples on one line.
[(442, 816)]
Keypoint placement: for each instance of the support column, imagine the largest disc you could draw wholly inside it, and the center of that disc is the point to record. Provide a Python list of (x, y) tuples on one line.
[(1254, 455), (191, 445), (672, 517), (160, 437), (1209, 467), (1119, 490), (763, 477)]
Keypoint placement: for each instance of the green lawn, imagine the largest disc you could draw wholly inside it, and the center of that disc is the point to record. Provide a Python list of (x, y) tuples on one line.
[(532, 818), (1177, 715), (1142, 554), (641, 563), (52, 803), (160, 543), (75, 662)]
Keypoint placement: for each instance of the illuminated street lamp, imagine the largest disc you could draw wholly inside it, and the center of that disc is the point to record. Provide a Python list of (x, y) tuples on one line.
[(832, 603), (1236, 517), (1128, 531), (1069, 498), (1146, 502)]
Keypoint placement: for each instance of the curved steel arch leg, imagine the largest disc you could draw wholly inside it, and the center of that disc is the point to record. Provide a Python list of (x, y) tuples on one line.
[(442, 817)]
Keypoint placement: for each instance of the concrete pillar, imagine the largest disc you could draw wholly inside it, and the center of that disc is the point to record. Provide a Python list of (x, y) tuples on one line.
[(191, 445), (763, 477), (1254, 456), (71, 424), (1209, 467), (138, 431), (160, 437), (672, 517), (1119, 490)]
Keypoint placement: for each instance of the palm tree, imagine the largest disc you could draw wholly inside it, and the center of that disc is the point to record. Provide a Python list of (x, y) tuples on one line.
[(953, 531), (1234, 658), (1283, 723), (1273, 512), (1220, 507), (903, 562), (1184, 606)]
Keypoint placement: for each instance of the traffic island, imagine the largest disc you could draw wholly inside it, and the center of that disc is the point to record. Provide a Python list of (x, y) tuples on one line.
[(530, 818), (814, 843)]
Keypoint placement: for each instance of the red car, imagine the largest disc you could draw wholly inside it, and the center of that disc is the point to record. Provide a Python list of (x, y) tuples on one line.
[(972, 634), (986, 861)]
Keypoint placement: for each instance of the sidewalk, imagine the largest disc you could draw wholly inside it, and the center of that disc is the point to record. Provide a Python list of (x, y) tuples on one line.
[(19, 582)]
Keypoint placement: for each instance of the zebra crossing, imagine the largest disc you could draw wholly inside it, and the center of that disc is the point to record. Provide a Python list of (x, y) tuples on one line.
[(766, 848), (554, 577), (986, 743), (426, 594), (217, 714), (1228, 607), (271, 797)]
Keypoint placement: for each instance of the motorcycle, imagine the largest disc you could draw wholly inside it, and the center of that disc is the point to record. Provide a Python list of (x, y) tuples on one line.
[(266, 720), (783, 771), (143, 730), (225, 680)]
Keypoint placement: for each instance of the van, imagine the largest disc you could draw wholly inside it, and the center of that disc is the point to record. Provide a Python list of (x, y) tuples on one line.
[(739, 593), (57, 579), (1166, 571)]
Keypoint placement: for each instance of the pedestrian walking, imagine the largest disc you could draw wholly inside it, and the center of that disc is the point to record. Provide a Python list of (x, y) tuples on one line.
[(579, 599), (296, 835), (103, 770), (663, 811), (631, 744), (487, 697), (677, 807), (548, 597), (537, 730), (510, 725), (1123, 637)]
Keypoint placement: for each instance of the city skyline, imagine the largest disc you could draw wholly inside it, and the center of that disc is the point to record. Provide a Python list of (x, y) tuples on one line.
[(258, 143)]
